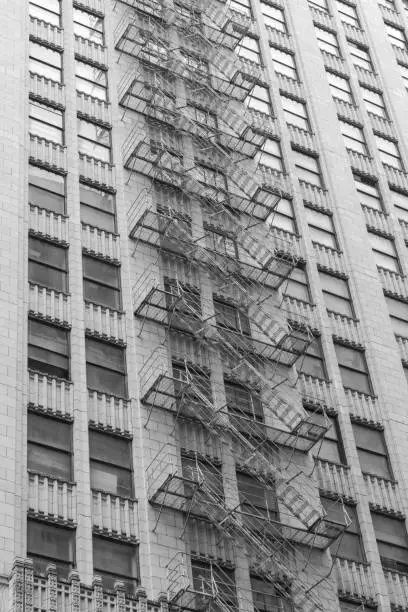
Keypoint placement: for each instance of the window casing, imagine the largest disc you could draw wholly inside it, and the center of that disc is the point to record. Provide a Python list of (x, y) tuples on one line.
[(271, 155), (259, 100), (97, 208), (336, 294), (368, 193), (47, 264), (399, 316), (353, 369), (49, 446), (327, 41), (295, 113), (389, 152), (105, 367), (349, 545), (392, 541), (348, 14), (101, 282), (90, 80), (45, 62), (298, 285), (353, 138), (283, 217), (360, 57), (88, 26), (321, 228), (116, 561), (274, 17), (94, 140), (46, 122), (50, 544), (312, 363), (340, 87), (48, 349), (374, 102), (46, 10), (385, 255), (284, 63), (46, 189), (110, 464), (308, 169)]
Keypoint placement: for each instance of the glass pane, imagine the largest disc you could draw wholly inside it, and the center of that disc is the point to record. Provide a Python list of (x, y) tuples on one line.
[(44, 252), (110, 448), (47, 277), (48, 461), (100, 271), (338, 304), (111, 479), (105, 380), (105, 355), (48, 337), (49, 541), (355, 380), (49, 432), (350, 357), (96, 198), (100, 294)]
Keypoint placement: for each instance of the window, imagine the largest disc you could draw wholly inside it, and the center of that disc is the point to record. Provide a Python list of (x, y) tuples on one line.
[(321, 228), (51, 544), (97, 208), (92, 81), (399, 316), (340, 87), (404, 74), (284, 63), (319, 4), (101, 282), (47, 265), (274, 17), (389, 152), (116, 561), (210, 177), (327, 41), (360, 57), (349, 545), (331, 446), (242, 6), (353, 368), (94, 140), (336, 294), (45, 61), (308, 169), (259, 100), (256, 500), (353, 138), (205, 576), (400, 202), (46, 122), (282, 217), (392, 541), (49, 446), (312, 363), (243, 402), (348, 14), (368, 193), (105, 367), (222, 244), (88, 26), (110, 464), (248, 48), (385, 255), (298, 285), (48, 349), (295, 113), (396, 36), (271, 155), (230, 317), (46, 10), (46, 189), (374, 102), (265, 597)]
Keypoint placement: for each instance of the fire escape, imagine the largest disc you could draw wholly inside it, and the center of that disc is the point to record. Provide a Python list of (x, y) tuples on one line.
[(173, 45)]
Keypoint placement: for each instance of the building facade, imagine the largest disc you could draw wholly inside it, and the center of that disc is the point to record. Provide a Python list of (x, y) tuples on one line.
[(204, 305)]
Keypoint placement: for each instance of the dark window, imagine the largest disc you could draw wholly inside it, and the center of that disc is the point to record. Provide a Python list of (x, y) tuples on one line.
[(111, 464), (101, 283), (105, 367), (313, 360), (372, 451), (50, 544), (90, 80), (46, 122), (336, 294), (243, 402), (256, 499), (399, 316), (228, 316), (308, 169), (265, 597), (46, 10), (88, 26), (47, 265), (94, 140), (349, 545), (222, 244), (45, 61), (298, 285), (321, 228), (208, 578), (116, 561), (97, 208), (48, 349), (392, 542), (49, 446), (331, 446), (353, 369), (46, 190)]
